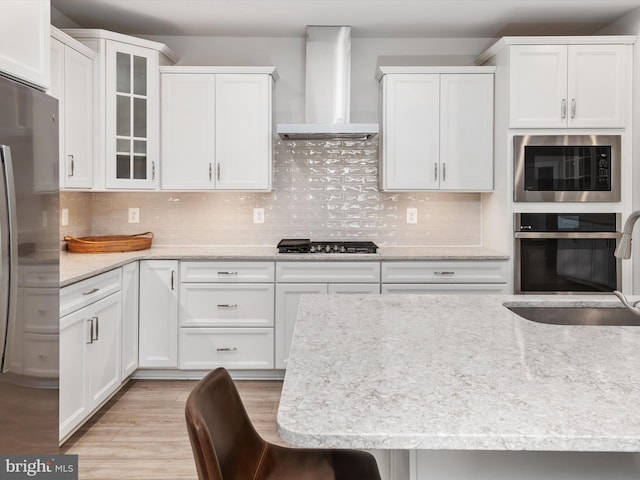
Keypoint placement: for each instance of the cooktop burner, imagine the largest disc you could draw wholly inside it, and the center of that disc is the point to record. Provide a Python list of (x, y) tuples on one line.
[(304, 245)]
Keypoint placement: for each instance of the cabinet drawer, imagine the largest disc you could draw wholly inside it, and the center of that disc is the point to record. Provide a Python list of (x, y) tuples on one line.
[(224, 305), (234, 348), (419, 288), (445, 272), (88, 291), (226, 272), (328, 272), (40, 355)]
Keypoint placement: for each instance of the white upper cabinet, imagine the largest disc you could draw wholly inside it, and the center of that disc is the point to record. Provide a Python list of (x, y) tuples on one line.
[(466, 131), (25, 39), (569, 86), (128, 108), (217, 128), (73, 69), (437, 128)]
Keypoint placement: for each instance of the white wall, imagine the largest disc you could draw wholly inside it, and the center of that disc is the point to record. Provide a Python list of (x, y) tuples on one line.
[(630, 25), (287, 54)]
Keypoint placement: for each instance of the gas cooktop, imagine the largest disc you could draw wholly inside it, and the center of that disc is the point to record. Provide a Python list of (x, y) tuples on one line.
[(304, 245)]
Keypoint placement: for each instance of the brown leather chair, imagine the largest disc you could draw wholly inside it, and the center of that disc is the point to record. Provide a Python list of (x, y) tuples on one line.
[(227, 447)]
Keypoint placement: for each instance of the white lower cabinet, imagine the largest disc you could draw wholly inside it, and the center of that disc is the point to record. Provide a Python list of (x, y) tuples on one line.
[(450, 276), (232, 348), (130, 294), (158, 342), (294, 279), (226, 315), (90, 351)]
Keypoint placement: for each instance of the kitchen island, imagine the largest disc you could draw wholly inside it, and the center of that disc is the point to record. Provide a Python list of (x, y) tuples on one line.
[(471, 389)]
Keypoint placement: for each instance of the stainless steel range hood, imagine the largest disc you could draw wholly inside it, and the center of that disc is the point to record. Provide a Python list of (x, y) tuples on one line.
[(327, 89)]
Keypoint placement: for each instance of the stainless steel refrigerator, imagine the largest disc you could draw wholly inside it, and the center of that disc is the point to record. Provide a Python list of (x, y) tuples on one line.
[(29, 270)]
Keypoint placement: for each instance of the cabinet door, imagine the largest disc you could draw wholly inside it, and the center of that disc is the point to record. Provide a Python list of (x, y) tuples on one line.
[(466, 132), (104, 353), (130, 291), (79, 114), (24, 40), (158, 342), (74, 398), (538, 86), (287, 300), (132, 116), (188, 131), (243, 132), (410, 150), (597, 85)]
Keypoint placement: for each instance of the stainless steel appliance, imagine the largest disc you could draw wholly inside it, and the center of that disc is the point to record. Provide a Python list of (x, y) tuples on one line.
[(29, 270), (304, 245), (566, 252), (566, 168)]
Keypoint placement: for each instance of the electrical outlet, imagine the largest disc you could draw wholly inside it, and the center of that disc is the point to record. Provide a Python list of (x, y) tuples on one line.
[(64, 217), (412, 215), (134, 215), (258, 215)]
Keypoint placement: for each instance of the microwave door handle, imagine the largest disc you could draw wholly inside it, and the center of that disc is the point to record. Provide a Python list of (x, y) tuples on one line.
[(8, 254)]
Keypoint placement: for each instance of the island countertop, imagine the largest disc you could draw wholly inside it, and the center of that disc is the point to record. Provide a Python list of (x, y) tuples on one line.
[(458, 372)]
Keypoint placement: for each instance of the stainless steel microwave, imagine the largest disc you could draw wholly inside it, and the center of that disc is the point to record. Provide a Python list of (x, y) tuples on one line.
[(566, 168)]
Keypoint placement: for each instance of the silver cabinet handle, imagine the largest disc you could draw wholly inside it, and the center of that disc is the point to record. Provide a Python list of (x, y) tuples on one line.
[(91, 292), (563, 108), (218, 171), (153, 170), (435, 171), (72, 166), (573, 108), (227, 273), (444, 172), (97, 328), (90, 320), (227, 305), (172, 278), (227, 349), (210, 172), (444, 273)]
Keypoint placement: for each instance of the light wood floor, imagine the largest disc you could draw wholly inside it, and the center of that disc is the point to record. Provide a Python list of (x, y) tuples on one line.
[(141, 432)]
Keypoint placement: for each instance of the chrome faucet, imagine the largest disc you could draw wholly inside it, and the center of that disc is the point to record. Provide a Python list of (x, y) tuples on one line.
[(623, 251)]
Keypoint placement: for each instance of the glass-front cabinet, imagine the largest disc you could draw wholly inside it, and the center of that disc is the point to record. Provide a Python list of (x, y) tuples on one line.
[(132, 105), (129, 100)]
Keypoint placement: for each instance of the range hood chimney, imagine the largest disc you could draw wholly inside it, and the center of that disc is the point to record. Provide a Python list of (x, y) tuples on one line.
[(327, 89)]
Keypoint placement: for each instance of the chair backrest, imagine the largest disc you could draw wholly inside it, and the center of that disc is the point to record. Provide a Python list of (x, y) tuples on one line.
[(225, 444)]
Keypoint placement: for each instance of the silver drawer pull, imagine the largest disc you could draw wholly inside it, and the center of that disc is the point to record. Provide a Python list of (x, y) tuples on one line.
[(227, 273), (227, 349), (444, 273), (91, 292), (227, 305)]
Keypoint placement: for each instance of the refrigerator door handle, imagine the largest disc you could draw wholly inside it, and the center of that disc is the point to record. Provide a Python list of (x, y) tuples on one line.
[(8, 254)]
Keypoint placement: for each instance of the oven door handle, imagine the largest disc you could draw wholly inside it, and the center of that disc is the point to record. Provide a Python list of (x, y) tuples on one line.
[(564, 235)]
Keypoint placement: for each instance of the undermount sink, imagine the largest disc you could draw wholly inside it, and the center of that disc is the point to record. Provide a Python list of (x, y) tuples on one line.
[(577, 315)]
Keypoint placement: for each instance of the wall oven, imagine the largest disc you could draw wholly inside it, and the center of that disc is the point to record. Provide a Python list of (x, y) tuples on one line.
[(566, 252), (567, 168)]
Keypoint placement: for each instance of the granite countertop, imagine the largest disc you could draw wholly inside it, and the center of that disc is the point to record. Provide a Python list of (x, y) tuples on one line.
[(77, 266), (458, 372)]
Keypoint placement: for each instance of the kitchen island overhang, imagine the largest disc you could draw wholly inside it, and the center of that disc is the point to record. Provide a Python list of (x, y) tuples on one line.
[(458, 372)]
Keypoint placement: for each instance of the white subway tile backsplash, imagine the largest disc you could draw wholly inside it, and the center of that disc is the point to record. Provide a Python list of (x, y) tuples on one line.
[(322, 189)]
